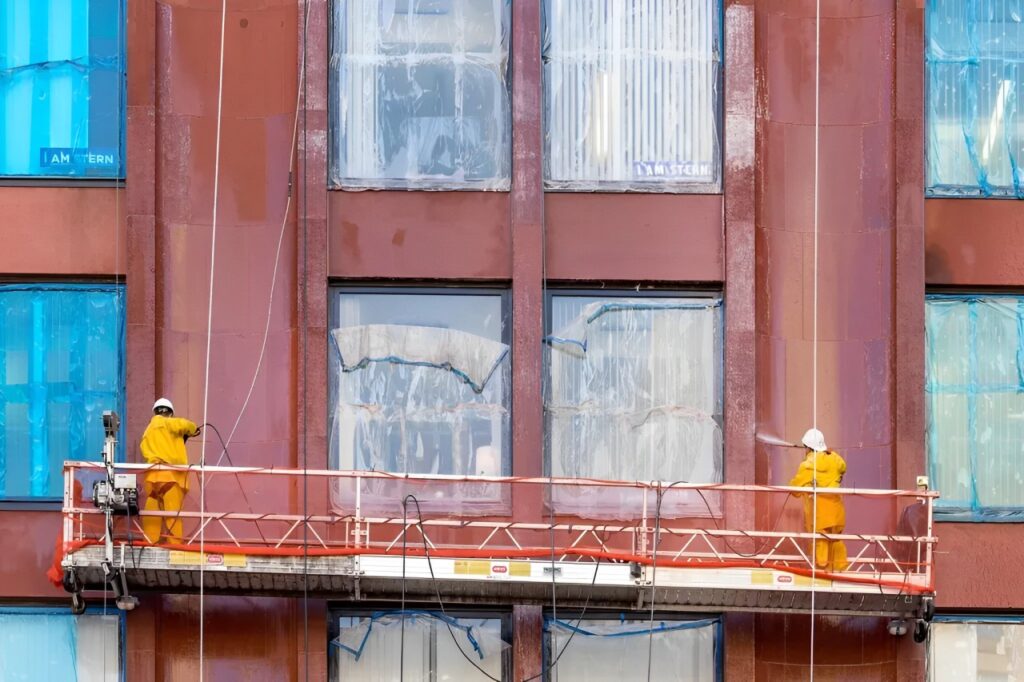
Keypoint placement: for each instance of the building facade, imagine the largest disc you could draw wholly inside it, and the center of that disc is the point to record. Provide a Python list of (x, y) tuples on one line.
[(498, 168)]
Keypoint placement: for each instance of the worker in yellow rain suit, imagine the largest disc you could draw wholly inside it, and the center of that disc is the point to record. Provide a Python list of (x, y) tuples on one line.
[(823, 469), (164, 443)]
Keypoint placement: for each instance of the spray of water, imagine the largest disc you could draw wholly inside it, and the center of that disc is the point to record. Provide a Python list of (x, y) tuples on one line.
[(774, 440)]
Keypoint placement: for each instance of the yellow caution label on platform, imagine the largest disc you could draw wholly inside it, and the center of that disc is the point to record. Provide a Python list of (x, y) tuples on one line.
[(472, 567), (180, 558), (495, 569), (519, 569)]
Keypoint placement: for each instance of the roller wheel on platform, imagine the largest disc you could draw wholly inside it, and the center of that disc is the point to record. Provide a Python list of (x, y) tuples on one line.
[(70, 582), (928, 610), (77, 603), (921, 631)]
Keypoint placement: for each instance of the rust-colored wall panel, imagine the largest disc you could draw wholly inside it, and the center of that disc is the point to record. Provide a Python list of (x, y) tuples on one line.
[(855, 240), (527, 231), (27, 543), (977, 566), (420, 235), (245, 638), (63, 231), (844, 648), (974, 242), (848, 283), (638, 237)]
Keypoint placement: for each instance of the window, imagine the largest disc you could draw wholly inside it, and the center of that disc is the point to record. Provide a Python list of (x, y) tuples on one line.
[(52, 644), (369, 647), (629, 381), (419, 93), (975, 649), (615, 650), (420, 385), (975, 76), (61, 366), (975, 392), (632, 94), (61, 88)]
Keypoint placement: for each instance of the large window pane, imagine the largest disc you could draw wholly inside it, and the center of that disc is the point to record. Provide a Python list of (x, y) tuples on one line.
[(61, 88), (61, 366), (631, 94), (630, 380), (609, 650), (420, 386), (965, 651), (974, 385), (975, 78), (419, 93), (370, 648), (51, 644)]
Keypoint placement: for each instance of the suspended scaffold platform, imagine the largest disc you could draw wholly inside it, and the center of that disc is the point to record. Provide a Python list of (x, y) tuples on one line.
[(360, 535)]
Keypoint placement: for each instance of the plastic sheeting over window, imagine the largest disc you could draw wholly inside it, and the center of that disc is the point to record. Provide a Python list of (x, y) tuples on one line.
[(975, 651), (420, 94), (420, 385), (368, 649), (634, 394), (51, 644), (975, 391), (632, 94), (616, 651), (61, 366), (61, 88), (975, 63)]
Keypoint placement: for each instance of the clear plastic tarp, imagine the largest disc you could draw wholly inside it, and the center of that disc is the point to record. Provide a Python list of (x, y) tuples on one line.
[(616, 650), (975, 394), (965, 651), (369, 648), (632, 93), (634, 394), (51, 644), (975, 75), (420, 386), (420, 94), (61, 88), (61, 366)]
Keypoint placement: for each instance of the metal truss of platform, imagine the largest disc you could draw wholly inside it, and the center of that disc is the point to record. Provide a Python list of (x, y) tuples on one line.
[(686, 547)]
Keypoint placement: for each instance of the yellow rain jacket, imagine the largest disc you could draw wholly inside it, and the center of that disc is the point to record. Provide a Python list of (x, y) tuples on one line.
[(164, 443), (828, 468)]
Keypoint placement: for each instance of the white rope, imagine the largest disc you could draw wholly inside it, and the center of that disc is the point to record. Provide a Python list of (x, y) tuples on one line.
[(277, 260), (209, 335), (814, 351)]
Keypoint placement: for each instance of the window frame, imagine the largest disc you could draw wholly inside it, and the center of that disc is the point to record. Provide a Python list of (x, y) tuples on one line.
[(966, 619), (336, 183), (577, 615), (122, 627), (641, 187), (118, 288), (336, 611), (639, 292), (972, 513), (336, 289), (981, 188), (116, 179)]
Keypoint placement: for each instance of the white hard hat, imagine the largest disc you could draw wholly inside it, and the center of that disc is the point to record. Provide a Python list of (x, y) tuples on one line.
[(815, 440), (163, 402)]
